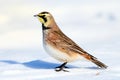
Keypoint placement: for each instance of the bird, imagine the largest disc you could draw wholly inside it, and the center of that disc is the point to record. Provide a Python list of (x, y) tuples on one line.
[(61, 47)]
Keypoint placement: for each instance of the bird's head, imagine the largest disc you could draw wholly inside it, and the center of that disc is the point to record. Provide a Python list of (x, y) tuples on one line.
[(45, 18)]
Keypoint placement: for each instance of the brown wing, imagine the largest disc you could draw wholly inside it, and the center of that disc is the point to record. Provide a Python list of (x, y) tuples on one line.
[(64, 43)]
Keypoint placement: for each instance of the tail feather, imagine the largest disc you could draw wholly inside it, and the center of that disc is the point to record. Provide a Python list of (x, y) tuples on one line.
[(95, 61), (98, 63)]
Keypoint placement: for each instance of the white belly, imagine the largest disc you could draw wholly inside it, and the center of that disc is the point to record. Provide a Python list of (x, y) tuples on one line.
[(56, 53), (61, 56)]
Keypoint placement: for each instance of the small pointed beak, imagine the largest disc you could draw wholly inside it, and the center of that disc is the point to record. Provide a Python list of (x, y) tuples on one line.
[(35, 15)]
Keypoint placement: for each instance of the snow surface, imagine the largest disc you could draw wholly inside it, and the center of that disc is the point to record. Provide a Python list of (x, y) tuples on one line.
[(92, 24)]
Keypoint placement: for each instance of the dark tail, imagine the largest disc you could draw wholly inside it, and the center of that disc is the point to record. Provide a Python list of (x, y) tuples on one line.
[(98, 63)]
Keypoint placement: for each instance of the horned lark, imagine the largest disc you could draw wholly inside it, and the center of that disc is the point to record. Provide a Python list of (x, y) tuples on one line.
[(61, 47)]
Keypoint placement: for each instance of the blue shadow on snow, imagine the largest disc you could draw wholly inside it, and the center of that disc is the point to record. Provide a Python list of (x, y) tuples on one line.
[(36, 64)]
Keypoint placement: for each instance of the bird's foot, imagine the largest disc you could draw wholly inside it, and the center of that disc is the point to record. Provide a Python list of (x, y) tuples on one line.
[(61, 68), (57, 69)]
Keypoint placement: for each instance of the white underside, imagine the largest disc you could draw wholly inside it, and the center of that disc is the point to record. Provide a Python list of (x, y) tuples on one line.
[(63, 57)]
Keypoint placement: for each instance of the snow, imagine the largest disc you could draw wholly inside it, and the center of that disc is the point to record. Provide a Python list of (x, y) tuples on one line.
[(94, 25)]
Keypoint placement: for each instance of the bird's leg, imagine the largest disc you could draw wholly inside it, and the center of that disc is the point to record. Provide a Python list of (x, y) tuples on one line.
[(66, 67), (61, 67)]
